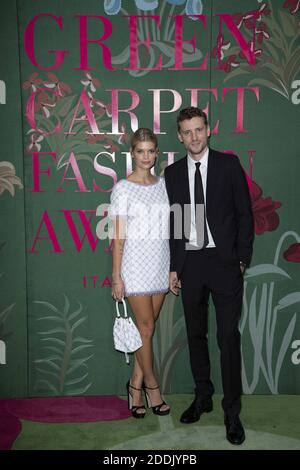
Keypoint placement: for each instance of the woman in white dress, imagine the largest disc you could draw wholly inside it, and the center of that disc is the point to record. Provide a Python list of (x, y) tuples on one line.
[(141, 260)]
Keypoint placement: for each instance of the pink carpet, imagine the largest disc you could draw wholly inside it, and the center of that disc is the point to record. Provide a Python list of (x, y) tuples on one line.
[(56, 410)]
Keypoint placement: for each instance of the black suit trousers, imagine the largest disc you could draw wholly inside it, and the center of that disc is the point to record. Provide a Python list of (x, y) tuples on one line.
[(204, 274)]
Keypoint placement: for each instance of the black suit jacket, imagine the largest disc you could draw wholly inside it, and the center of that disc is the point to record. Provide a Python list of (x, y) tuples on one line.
[(228, 208)]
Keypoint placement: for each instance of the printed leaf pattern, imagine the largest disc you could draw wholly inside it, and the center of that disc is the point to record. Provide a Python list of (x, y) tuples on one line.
[(169, 341), (61, 108), (277, 56), (260, 317), (62, 366)]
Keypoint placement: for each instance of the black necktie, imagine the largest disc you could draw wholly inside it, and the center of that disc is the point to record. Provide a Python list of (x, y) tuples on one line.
[(202, 237)]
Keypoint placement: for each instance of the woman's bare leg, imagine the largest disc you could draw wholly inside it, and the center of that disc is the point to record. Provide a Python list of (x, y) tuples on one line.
[(157, 301), (146, 310), (137, 374)]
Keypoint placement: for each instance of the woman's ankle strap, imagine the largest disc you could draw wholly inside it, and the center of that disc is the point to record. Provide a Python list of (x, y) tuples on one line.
[(151, 388), (131, 386)]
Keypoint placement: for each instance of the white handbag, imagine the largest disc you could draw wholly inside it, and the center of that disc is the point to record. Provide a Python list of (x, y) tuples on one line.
[(127, 337)]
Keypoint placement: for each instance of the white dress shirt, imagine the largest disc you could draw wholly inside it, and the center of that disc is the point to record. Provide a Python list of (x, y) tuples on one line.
[(191, 172)]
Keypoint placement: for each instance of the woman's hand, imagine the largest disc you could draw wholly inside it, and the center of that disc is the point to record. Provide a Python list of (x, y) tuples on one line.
[(174, 282), (118, 289)]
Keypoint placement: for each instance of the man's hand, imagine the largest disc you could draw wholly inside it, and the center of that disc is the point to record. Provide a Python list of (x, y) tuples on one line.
[(174, 282), (242, 267)]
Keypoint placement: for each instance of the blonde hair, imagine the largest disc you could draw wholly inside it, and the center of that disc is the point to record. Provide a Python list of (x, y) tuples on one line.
[(143, 134)]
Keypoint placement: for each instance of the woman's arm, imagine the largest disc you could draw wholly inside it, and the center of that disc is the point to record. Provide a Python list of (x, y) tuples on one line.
[(118, 288)]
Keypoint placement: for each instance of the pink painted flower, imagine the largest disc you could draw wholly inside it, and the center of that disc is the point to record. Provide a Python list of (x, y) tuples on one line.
[(249, 21), (108, 110), (94, 138), (265, 216), (218, 50), (35, 140), (90, 82), (33, 82), (238, 19), (111, 146), (44, 102), (263, 10), (92, 100), (257, 52), (262, 32), (293, 5), (100, 110), (230, 62), (55, 83), (124, 138), (100, 107), (292, 253)]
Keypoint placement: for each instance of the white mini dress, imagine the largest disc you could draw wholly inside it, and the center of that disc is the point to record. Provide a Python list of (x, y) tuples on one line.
[(146, 255)]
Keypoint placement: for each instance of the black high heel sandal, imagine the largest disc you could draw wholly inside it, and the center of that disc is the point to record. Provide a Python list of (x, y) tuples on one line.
[(157, 409), (134, 408)]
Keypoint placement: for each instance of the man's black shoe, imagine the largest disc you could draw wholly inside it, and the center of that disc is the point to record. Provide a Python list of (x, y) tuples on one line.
[(195, 410), (235, 433)]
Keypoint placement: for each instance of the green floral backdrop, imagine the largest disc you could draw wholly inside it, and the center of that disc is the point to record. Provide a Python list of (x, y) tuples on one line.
[(56, 313)]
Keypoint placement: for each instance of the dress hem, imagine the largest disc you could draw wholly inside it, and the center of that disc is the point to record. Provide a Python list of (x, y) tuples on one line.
[(161, 291)]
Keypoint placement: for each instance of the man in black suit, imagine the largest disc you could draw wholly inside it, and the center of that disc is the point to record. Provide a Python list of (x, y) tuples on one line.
[(210, 257)]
